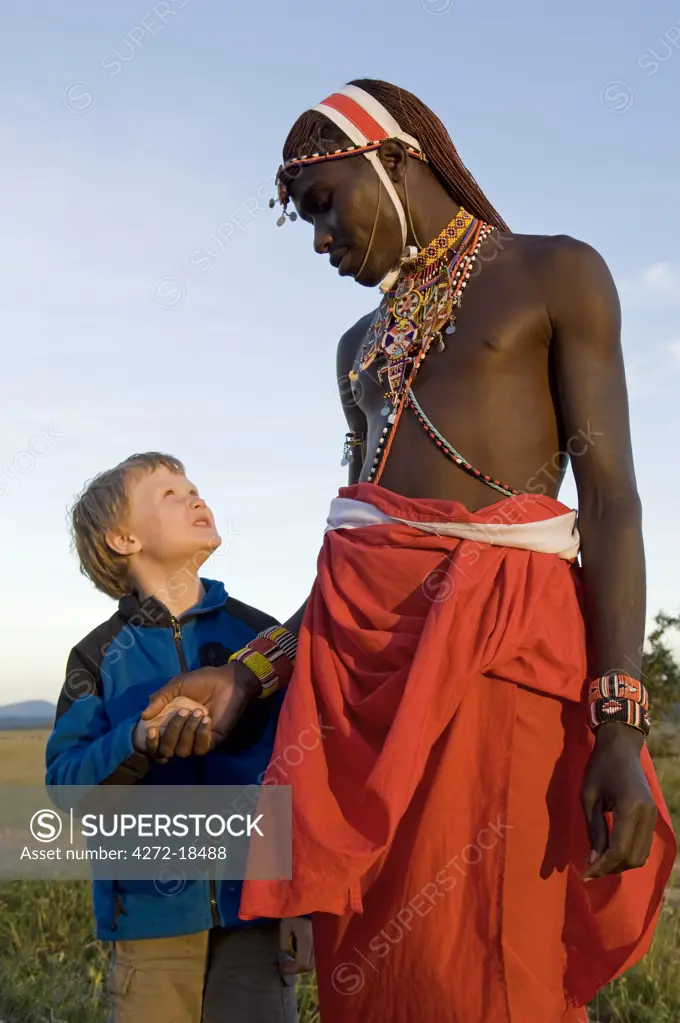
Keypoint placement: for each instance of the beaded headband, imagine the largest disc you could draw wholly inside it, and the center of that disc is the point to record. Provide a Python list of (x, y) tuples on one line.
[(367, 124)]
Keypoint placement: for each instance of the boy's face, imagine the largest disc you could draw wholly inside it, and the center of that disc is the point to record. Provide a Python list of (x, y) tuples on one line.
[(168, 522)]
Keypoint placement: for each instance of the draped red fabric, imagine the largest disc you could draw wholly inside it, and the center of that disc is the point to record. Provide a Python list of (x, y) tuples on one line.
[(438, 836)]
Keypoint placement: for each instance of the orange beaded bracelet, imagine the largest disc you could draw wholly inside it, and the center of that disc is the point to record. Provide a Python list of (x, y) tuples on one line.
[(618, 697)]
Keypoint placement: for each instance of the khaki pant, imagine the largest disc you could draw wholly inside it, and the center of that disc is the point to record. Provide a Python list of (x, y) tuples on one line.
[(218, 976)]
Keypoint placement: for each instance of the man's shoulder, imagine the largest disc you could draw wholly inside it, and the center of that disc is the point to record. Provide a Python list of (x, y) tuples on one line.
[(568, 271), (350, 342), (249, 615), (356, 333), (553, 252)]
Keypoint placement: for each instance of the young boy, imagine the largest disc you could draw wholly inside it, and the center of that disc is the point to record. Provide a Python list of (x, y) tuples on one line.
[(142, 533)]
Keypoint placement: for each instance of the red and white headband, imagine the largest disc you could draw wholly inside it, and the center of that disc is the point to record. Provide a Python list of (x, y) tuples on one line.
[(366, 122)]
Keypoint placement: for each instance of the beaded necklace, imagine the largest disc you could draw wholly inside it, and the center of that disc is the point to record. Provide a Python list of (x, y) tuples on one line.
[(421, 299), (412, 315)]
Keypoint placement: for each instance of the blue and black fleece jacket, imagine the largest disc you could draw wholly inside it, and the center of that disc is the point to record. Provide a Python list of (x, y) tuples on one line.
[(110, 676)]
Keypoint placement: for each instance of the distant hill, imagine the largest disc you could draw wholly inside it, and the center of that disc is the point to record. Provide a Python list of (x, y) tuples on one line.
[(28, 714)]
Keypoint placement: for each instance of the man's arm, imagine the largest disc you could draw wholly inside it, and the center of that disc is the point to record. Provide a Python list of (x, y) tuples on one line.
[(594, 407), (235, 672), (586, 317), (356, 420)]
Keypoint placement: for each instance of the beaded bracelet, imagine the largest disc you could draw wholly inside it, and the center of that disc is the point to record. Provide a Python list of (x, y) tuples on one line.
[(618, 697), (270, 657), (619, 686)]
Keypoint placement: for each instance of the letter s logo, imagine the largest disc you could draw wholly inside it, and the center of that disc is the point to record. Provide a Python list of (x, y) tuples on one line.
[(46, 825)]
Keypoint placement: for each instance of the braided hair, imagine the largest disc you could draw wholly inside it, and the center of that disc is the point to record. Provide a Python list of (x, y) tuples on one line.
[(314, 133)]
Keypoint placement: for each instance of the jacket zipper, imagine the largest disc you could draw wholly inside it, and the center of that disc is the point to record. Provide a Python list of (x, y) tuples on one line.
[(214, 911), (177, 637)]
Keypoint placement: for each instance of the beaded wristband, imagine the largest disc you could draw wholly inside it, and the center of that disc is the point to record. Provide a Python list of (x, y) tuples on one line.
[(619, 686), (618, 697), (614, 709), (271, 658)]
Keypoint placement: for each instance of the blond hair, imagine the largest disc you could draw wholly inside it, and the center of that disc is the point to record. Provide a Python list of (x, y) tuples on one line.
[(103, 507)]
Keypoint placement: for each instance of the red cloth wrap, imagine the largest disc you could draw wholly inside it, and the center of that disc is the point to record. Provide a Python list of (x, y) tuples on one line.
[(437, 832)]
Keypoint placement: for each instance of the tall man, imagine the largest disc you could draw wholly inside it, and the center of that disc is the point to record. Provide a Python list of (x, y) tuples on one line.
[(470, 678)]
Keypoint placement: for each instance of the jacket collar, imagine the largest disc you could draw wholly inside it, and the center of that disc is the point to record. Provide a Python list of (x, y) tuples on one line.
[(152, 613)]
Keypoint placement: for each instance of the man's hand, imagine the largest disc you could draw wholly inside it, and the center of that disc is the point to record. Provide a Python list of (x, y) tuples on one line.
[(180, 730), (297, 945), (615, 782), (225, 692)]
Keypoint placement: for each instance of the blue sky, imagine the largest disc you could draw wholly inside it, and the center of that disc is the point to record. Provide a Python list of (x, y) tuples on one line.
[(138, 135)]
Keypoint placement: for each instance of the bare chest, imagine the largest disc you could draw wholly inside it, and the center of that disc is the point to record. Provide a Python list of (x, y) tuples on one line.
[(500, 325), (487, 390)]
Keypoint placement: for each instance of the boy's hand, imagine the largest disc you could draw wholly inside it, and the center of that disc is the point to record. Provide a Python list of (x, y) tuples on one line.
[(183, 728), (225, 692), (297, 944)]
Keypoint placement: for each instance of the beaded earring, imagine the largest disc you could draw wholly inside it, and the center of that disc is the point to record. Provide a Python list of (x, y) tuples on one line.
[(283, 199)]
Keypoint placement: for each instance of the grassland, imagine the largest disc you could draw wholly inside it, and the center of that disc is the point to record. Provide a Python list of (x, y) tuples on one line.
[(22, 757), (53, 971)]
